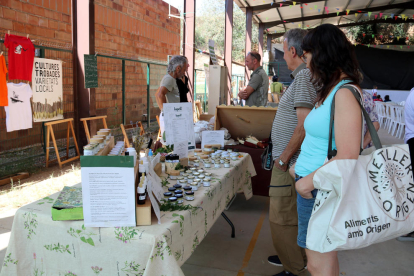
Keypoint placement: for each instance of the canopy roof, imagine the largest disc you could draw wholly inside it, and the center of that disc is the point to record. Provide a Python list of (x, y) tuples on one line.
[(278, 16)]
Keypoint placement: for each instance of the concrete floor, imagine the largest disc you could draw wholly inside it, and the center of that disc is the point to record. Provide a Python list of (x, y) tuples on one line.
[(246, 254)]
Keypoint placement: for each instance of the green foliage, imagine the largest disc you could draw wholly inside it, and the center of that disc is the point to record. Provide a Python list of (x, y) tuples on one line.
[(165, 182), (165, 149), (210, 24), (179, 167), (370, 33)]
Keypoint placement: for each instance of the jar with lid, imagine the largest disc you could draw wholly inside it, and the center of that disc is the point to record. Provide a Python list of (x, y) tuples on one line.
[(187, 188), (167, 195), (171, 189), (177, 186), (189, 195), (196, 163), (217, 165), (207, 164), (227, 164), (88, 150), (194, 186), (176, 192), (206, 183), (173, 200)]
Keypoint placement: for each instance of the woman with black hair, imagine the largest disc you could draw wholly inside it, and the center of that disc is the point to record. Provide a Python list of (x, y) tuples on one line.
[(335, 71)]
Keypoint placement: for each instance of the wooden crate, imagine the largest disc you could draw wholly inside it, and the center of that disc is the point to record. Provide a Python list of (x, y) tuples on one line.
[(243, 121)]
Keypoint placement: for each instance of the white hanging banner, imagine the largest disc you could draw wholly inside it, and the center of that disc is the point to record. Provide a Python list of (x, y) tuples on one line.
[(47, 89)]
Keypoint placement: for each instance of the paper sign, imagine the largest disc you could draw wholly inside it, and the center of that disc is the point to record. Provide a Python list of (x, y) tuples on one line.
[(47, 90), (154, 188), (212, 52), (212, 137), (178, 123), (181, 149), (108, 191), (155, 180)]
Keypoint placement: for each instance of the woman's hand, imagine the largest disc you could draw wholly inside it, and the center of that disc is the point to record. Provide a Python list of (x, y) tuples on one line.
[(304, 187)]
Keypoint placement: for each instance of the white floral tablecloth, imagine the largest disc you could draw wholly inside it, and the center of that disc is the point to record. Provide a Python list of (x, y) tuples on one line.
[(40, 246)]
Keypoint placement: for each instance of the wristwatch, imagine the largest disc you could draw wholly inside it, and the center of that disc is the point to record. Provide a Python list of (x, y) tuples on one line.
[(281, 163)]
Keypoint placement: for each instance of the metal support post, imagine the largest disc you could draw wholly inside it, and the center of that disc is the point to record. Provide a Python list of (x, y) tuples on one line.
[(148, 95), (123, 93)]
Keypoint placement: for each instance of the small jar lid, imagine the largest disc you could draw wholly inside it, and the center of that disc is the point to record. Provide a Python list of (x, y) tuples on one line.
[(204, 156), (197, 150), (177, 186), (189, 193), (192, 158), (178, 195), (172, 189), (208, 146), (178, 191), (167, 194), (187, 188), (173, 198)]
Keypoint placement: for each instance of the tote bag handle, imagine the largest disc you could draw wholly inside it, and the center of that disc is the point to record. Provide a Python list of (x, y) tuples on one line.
[(370, 125)]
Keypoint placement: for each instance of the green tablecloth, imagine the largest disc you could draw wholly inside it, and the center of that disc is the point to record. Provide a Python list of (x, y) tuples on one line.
[(40, 246)]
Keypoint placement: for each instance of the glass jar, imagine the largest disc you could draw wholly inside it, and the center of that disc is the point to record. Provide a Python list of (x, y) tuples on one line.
[(167, 195), (173, 200), (194, 186), (206, 183), (189, 195)]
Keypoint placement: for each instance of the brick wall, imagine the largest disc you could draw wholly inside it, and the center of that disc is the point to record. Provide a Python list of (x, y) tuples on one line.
[(48, 22), (137, 29)]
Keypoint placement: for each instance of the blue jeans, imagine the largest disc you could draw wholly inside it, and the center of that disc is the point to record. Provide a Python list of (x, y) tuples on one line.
[(305, 207)]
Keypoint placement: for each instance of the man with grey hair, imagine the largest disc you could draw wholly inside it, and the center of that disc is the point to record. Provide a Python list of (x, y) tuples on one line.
[(168, 91), (287, 136), (255, 93)]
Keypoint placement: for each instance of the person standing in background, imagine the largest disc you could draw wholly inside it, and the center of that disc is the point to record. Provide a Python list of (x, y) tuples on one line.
[(168, 91), (255, 93), (182, 84)]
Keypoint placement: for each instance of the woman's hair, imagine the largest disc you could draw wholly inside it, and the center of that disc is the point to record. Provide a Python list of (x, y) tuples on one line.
[(387, 97), (332, 54)]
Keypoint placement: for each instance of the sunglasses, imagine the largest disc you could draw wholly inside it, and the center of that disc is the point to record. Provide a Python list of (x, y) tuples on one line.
[(304, 59)]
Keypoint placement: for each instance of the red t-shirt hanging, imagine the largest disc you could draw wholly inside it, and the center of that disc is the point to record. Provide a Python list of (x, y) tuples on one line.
[(21, 56)]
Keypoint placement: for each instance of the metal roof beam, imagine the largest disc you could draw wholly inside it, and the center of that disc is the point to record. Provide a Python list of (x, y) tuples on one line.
[(398, 21), (346, 7), (407, 5), (265, 7)]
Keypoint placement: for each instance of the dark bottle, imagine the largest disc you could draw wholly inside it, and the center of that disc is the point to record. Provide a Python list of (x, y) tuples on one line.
[(141, 195)]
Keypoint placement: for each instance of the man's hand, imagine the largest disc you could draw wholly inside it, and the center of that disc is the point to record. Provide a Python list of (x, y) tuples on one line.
[(243, 95), (282, 168)]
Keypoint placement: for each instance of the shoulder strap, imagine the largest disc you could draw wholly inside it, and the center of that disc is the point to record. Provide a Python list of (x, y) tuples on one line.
[(371, 128)]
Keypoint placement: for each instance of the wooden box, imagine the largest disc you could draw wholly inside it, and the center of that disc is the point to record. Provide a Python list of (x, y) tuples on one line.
[(243, 121), (143, 213)]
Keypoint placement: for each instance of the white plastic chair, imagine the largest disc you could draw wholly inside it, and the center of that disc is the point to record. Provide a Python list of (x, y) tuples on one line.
[(393, 121), (400, 132), (382, 116)]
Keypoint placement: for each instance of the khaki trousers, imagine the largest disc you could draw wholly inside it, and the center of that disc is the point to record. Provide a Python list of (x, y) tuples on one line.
[(283, 219)]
